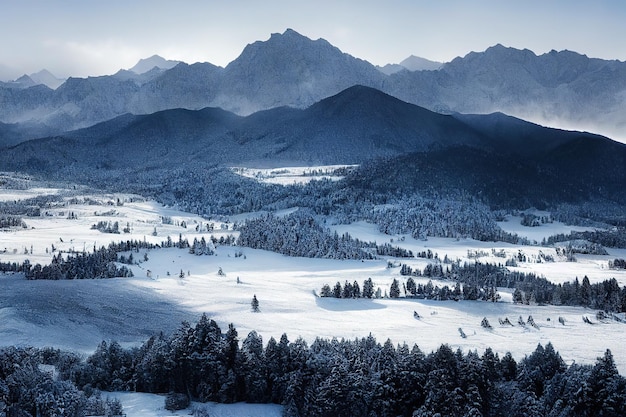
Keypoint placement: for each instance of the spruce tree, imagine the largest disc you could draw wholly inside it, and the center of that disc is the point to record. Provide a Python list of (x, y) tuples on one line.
[(255, 304), (394, 291)]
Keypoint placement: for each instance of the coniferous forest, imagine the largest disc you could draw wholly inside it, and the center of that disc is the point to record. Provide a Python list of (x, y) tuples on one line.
[(361, 377)]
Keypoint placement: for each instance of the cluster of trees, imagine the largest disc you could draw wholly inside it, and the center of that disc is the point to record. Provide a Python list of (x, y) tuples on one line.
[(606, 295), (479, 281), (12, 266), (422, 217), (351, 290), (613, 238), (202, 247), (299, 234), (8, 221), (30, 207), (101, 263), (394, 251), (361, 377), (532, 289), (411, 289), (617, 263), (597, 213), (29, 387), (532, 220), (107, 227)]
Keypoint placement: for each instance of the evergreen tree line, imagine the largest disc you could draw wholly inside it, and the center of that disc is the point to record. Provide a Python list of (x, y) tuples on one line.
[(482, 278), (613, 238), (360, 377), (480, 281), (435, 217), (28, 389), (101, 263), (13, 266), (7, 221), (299, 234), (27, 208), (107, 227)]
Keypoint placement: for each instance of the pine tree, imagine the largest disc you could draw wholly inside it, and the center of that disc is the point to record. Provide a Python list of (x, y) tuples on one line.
[(326, 291), (394, 291), (255, 304), (368, 288), (585, 292), (337, 290)]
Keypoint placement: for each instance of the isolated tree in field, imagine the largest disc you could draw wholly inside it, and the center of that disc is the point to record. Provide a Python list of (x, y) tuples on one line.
[(255, 304), (394, 291)]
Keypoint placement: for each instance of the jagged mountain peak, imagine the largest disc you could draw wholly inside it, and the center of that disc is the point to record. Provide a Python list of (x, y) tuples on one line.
[(25, 80), (147, 64), (45, 77), (283, 46), (417, 63)]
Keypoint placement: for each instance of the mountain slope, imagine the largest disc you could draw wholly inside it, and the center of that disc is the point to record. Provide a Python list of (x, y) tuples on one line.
[(498, 158), (558, 88)]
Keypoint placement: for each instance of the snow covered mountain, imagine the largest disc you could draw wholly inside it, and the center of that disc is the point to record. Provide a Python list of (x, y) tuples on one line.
[(563, 89), (146, 64), (46, 78), (412, 63)]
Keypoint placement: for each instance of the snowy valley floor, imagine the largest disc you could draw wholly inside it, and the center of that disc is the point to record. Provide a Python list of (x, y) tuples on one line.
[(77, 315)]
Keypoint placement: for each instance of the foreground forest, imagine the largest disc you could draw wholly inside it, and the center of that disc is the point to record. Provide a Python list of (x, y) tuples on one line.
[(361, 377)]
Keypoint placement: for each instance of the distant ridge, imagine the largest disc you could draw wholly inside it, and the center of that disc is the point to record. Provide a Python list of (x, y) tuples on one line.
[(45, 77), (412, 63)]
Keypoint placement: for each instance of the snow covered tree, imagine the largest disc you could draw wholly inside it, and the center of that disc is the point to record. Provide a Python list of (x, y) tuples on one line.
[(394, 290), (255, 304), (410, 286), (326, 291), (337, 290), (368, 288)]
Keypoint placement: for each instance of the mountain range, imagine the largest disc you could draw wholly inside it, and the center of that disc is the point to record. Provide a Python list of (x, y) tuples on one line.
[(564, 88)]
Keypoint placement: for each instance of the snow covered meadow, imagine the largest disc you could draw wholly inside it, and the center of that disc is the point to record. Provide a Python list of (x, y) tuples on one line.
[(171, 285)]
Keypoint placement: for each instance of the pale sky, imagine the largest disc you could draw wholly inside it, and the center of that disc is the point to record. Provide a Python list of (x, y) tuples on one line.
[(96, 37)]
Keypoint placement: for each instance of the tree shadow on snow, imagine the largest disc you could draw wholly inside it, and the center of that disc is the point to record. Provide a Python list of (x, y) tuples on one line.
[(347, 304)]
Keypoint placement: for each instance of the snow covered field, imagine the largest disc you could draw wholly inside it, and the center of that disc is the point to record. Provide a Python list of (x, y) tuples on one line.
[(292, 175), (79, 314), (151, 405)]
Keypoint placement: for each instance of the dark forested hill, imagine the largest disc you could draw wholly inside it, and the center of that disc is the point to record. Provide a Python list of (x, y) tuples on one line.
[(495, 157)]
